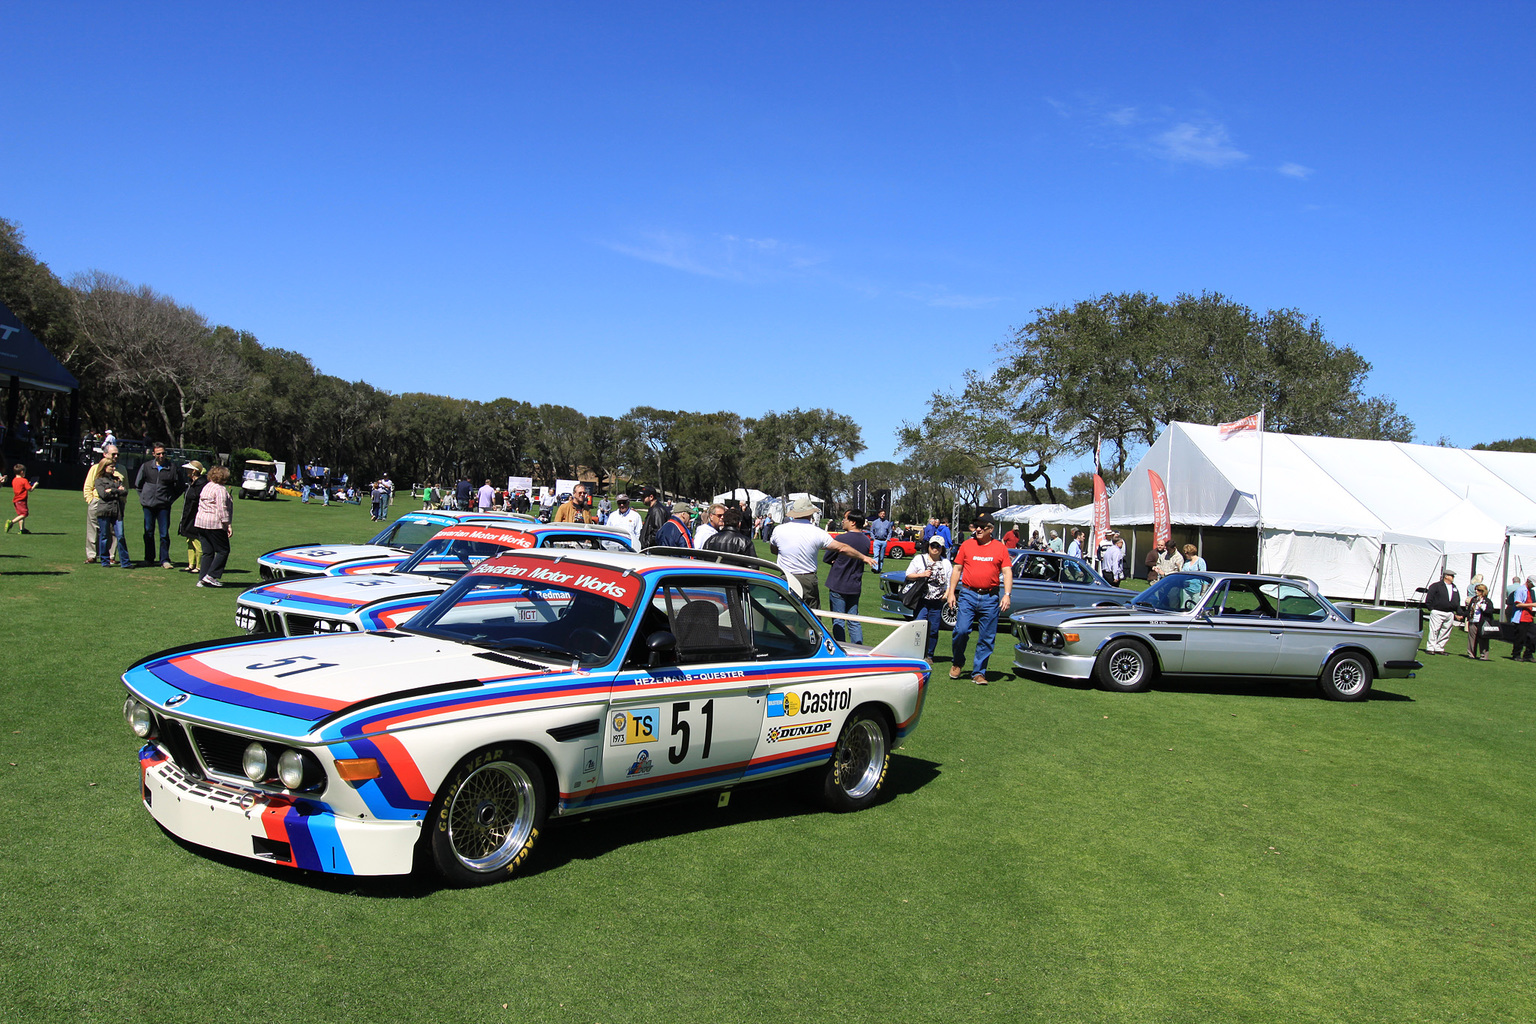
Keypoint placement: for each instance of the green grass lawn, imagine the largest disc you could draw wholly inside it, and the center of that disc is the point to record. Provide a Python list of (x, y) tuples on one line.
[(1203, 852)]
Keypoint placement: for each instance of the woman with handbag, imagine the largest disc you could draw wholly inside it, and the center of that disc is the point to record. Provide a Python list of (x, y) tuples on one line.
[(215, 525), (927, 582), (1480, 616), (111, 498)]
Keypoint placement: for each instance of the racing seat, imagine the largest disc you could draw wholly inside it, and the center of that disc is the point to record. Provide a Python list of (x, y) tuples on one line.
[(697, 625)]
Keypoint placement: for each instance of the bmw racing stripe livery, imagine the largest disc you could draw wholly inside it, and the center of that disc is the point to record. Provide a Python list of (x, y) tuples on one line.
[(541, 683)]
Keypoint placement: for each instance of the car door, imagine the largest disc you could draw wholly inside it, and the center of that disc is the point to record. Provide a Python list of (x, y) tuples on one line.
[(692, 721), (1309, 631), (1036, 582), (1238, 633), (1079, 585)]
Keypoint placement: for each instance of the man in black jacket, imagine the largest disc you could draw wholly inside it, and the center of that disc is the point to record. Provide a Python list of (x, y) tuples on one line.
[(159, 484), (655, 519), (731, 539), (1444, 604)]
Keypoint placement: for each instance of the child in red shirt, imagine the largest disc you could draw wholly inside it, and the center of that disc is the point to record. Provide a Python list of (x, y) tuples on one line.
[(20, 486)]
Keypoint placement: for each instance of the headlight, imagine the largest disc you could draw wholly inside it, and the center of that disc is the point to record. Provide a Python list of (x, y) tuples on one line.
[(297, 770), (140, 719), (254, 762), (245, 618)]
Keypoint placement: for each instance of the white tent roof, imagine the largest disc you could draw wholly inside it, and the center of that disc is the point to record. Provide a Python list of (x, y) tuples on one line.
[(1031, 513), (751, 495), (1332, 485)]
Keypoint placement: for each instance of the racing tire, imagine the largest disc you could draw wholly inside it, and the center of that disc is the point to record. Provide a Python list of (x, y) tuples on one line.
[(852, 780), (1347, 676), (1125, 666), (486, 816)]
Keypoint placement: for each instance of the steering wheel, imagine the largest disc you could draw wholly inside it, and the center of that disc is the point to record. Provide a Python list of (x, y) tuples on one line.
[(587, 641)]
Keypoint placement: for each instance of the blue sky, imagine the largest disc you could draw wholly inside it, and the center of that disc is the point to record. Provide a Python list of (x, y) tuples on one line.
[(758, 206)]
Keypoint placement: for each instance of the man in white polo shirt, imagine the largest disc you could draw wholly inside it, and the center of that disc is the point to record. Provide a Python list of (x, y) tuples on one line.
[(798, 544)]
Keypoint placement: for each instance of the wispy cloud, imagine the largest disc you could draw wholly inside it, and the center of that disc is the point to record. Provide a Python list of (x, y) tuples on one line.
[(941, 297), (1203, 143), (750, 260), (1162, 133), (1294, 171), (727, 257)]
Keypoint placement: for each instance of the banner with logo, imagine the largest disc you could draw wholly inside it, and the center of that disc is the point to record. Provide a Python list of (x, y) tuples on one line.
[(1100, 510), (1254, 422), (1162, 527), (519, 483)]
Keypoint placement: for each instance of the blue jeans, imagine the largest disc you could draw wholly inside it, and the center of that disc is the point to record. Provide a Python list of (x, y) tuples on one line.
[(879, 552), (157, 517), (106, 531), (978, 611), (846, 603), (935, 618)]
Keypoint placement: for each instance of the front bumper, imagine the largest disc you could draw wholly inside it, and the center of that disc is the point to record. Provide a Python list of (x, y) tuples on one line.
[(1040, 661), (293, 832)]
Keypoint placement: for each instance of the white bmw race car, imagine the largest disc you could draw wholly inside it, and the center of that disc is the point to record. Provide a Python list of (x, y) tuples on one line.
[(382, 553), (347, 602), (544, 683)]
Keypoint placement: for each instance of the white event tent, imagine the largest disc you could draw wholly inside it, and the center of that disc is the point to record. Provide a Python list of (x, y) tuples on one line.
[(1365, 519)]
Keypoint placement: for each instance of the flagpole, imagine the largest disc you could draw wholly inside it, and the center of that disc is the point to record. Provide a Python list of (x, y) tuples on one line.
[(1258, 499)]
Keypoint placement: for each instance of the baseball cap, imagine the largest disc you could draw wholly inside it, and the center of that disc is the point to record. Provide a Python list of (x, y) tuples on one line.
[(982, 519)]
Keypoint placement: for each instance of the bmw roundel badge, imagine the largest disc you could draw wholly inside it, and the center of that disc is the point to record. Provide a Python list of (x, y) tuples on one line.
[(174, 701)]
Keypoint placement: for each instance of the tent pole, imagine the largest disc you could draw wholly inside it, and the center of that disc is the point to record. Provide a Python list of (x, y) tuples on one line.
[(1381, 570)]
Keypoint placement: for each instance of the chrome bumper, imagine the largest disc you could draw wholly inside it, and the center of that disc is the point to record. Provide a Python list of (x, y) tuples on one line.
[(1038, 660)]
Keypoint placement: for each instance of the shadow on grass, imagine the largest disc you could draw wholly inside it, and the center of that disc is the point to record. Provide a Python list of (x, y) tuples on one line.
[(590, 836), (1237, 686), (35, 572)]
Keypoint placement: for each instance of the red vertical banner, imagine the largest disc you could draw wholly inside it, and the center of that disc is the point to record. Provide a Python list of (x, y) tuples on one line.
[(1162, 530), (1100, 511)]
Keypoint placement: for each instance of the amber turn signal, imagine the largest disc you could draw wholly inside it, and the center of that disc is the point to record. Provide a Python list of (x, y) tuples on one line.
[(357, 769), (1070, 638)]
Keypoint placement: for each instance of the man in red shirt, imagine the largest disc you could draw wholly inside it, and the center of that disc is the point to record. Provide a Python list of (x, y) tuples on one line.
[(982, 569)]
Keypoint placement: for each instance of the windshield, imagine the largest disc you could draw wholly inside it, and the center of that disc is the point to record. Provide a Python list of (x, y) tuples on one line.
[(449, 556), (562, 612), (1177, 593), (408, 534)]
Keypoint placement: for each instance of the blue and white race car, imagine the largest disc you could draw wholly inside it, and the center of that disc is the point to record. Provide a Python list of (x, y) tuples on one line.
[(383, 553), (347, 602), (543, 684)]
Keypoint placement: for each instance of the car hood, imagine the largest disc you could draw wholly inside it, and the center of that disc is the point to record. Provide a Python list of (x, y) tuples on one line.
[(342, 593), (320, 557), (1057, 616), (314, 678)]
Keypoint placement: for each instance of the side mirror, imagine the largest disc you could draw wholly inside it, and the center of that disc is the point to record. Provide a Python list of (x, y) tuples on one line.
[(661, 649)]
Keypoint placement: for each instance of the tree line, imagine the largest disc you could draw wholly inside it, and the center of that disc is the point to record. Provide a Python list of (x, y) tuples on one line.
[(1101, 375), (148, 365)]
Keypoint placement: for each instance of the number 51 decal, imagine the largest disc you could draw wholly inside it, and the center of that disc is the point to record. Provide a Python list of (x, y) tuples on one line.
[(680, 751)]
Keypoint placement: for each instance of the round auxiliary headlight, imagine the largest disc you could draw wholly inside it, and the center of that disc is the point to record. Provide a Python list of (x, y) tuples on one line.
[(290, 769), (254, 762), (139, 717)]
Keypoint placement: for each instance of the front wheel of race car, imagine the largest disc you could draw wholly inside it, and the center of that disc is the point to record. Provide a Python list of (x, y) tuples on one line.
[(486, 816), (854, 777)]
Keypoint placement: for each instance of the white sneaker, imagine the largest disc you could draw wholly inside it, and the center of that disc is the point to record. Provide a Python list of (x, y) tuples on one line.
[(209, 581)]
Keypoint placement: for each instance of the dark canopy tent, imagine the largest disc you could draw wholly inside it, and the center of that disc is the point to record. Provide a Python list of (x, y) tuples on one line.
[(26, 364)]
